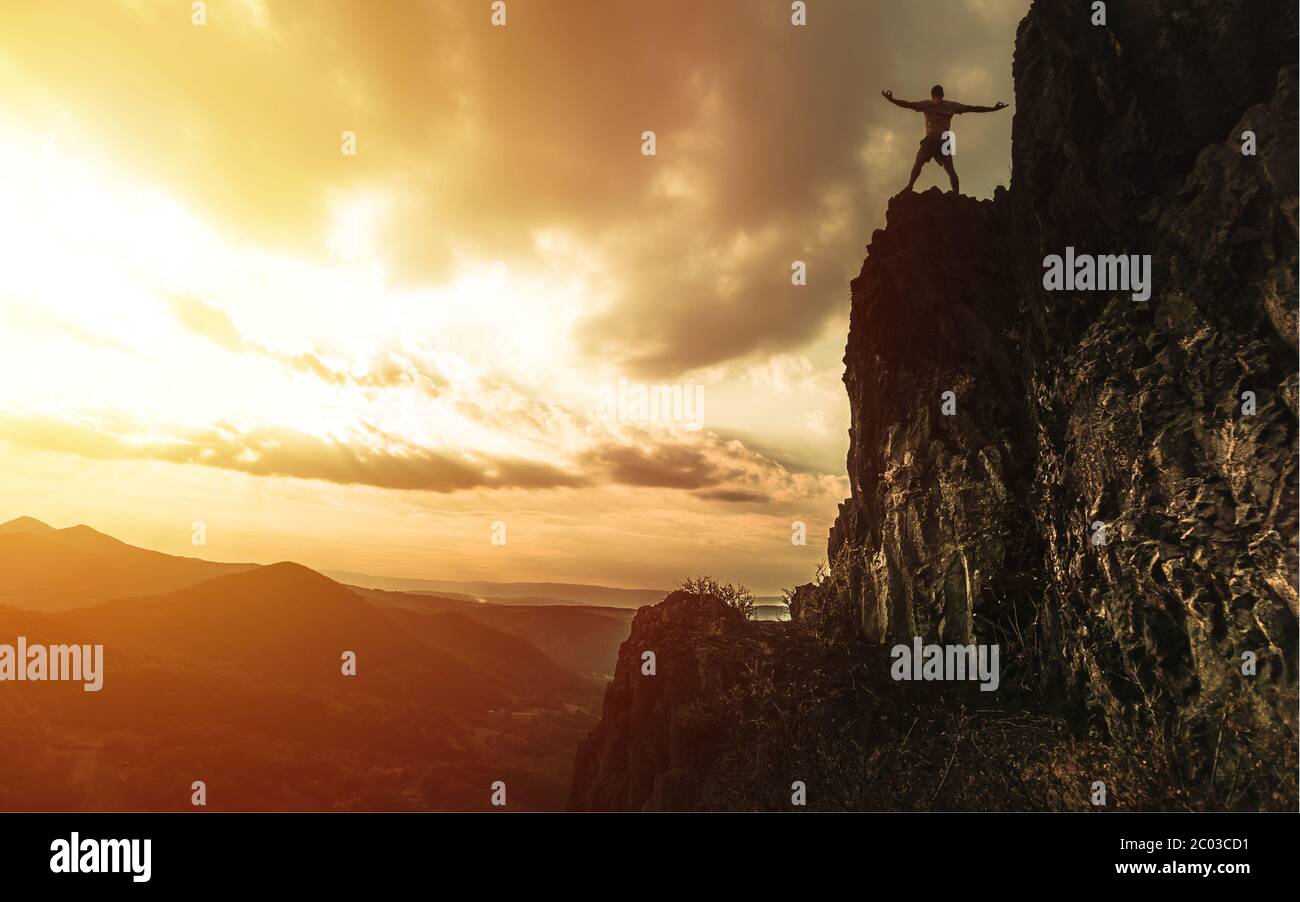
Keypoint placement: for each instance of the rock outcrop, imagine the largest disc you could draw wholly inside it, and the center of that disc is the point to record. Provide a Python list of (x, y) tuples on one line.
[(938, 421), (1104, 487), (659, 737)]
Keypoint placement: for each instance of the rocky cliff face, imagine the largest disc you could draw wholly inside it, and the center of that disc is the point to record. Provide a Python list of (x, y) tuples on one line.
[(660, 731), (1129, 139), (1104, 487), (937, 423)]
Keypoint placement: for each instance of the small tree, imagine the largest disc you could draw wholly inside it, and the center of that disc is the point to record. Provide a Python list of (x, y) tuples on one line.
[(737, 597)]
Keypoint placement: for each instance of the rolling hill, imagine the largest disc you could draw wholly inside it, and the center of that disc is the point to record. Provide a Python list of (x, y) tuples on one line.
[(49, 569), (583, 639), (236, 680)]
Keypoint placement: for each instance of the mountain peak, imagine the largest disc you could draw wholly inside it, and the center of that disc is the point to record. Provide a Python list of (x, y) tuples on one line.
[(82, 531), (288, 567), (27, 525), (282, 576)]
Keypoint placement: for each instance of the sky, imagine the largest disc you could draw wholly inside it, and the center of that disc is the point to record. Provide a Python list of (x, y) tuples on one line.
[(387, 286)]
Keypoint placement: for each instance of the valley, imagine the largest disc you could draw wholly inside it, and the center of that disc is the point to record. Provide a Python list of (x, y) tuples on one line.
[(235, 679)]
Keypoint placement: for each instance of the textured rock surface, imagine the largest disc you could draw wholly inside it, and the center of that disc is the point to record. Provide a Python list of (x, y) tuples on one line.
[(1128, 140), (656, 742), (937, 420), (1070, 408)]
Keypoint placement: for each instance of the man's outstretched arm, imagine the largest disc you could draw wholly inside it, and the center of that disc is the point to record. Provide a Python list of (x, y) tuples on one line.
[(963, 108), (905, 104)]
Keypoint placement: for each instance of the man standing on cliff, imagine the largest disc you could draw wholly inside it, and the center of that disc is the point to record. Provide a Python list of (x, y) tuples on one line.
[(938, 116)]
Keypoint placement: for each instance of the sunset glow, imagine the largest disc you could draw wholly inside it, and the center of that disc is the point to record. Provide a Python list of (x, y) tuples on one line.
[(212, 313)]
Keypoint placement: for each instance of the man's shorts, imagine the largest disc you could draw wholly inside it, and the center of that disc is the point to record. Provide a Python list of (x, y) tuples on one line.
[(931, 149)]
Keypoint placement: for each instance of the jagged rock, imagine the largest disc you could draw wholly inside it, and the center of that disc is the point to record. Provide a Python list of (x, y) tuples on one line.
[(937, 419), (1128, 139), (655, 741)]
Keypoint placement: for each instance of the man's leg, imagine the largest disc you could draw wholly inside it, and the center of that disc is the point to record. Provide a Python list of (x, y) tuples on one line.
[(946, 160), (916, 168)]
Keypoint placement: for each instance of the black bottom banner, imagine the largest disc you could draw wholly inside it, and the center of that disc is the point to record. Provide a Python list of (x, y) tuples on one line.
[(1152, 852)]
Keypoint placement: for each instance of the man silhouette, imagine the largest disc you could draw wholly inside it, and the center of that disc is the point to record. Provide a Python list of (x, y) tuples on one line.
[(938, 115)]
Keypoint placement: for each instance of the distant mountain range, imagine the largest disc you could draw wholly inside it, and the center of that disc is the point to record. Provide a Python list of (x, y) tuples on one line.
[(582, 639), (231, 673), (51, 569), (48, 569)]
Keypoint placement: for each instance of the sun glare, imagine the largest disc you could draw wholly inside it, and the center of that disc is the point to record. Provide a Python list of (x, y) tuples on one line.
[(182, 328)]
